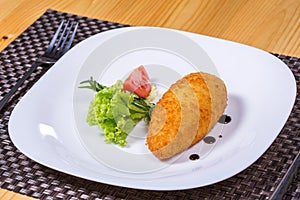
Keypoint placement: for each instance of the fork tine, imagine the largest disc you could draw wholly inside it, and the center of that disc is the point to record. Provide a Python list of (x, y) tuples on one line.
[(61, 42), (51, 45), (65, 39), (71, 39), (60, 48)]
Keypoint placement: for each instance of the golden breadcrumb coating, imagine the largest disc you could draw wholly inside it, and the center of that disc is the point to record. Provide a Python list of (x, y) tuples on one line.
[(185, 114)]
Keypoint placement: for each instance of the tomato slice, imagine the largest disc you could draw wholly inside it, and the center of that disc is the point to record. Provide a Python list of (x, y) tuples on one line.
[(138, 82)]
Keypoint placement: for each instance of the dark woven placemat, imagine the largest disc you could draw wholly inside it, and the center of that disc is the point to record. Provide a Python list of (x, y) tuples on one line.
[(262, 180)]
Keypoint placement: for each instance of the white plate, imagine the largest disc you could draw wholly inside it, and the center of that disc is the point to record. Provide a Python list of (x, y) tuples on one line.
[(261, 91)]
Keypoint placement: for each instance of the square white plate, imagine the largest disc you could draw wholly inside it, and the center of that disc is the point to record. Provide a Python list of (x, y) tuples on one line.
[(261, 94)]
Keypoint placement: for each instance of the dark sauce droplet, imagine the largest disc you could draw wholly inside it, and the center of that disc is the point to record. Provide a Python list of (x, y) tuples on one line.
[(224, 119), (194, 157), (209, 140)]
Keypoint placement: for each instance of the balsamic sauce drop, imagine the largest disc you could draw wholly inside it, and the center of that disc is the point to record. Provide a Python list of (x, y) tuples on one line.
[(209, 140), (194, 157), (224, 119)]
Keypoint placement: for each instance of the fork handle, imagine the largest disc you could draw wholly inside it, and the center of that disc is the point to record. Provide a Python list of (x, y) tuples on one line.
[(7, 97)]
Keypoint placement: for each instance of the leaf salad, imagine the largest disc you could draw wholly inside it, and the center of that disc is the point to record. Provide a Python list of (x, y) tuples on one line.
[(116, 110)]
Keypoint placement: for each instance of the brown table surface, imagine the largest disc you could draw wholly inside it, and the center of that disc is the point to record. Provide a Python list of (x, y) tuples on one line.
[(271, 25)]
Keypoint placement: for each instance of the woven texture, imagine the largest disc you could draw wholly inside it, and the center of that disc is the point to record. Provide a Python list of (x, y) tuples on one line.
[(22, 175)]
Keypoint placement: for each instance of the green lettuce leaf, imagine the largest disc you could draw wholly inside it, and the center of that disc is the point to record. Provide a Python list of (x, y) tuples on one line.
[(116, 111), (100, 113)]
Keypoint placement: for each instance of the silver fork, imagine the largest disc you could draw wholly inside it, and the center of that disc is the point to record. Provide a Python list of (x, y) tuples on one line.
[(59, 45)]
